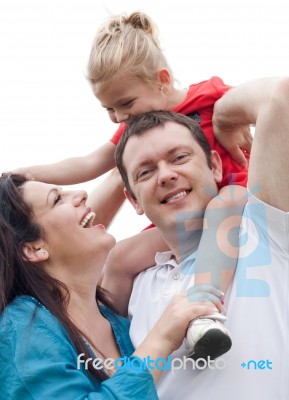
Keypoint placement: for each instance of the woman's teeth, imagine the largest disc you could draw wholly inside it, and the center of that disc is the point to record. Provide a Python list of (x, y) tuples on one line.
[(88, 220)]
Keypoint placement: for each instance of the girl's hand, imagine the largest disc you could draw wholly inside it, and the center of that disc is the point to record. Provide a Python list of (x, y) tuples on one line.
[(22, 171), (236, 141)]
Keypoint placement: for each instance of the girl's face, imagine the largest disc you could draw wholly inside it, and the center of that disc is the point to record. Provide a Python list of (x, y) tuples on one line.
[(69, 236), (129, 96)]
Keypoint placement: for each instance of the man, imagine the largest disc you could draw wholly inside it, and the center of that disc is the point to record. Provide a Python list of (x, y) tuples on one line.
[(167, 177)]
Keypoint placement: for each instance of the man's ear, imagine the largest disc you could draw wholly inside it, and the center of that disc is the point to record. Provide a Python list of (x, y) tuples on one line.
[(216, 166), (35, 252), (134, 202)]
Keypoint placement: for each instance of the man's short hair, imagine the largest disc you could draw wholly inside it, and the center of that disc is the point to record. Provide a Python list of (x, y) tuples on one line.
[(149, 120)]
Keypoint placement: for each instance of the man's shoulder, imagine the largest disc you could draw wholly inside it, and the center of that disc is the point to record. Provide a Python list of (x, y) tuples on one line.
[(264, 220)]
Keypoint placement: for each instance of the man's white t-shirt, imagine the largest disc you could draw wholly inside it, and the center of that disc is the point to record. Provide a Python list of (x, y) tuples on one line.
[(257, 304)]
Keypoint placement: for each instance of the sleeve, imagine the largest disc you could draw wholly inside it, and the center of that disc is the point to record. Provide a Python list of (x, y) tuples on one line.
[(220, 87), (118, 134), (233, 173), (45, 366)]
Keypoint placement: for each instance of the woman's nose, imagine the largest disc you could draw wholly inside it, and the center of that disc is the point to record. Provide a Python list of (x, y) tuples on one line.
[(79, 197)]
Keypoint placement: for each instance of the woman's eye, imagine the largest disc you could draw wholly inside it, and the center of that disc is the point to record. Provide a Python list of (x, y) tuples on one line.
[(57, 199)]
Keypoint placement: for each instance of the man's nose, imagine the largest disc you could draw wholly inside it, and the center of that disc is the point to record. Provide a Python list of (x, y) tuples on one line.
[(167, 174)]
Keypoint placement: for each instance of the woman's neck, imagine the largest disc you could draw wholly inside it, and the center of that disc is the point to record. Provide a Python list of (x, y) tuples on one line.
[(96, 329), (82, 302)]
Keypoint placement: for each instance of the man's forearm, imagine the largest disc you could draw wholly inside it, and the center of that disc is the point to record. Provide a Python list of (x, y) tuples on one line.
[(240, 105)]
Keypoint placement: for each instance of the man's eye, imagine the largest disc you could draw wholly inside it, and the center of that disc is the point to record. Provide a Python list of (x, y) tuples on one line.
[(143, 174), (57, 199), (180, 157)]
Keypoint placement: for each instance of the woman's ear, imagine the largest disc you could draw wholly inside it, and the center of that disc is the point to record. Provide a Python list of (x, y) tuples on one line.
[(134, 202), (35, 252)]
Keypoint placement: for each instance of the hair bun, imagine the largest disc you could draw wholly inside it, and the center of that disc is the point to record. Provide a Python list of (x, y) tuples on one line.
[(139, 20)]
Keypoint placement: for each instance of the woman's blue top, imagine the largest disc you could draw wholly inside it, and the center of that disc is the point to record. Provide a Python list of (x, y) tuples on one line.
[(39, 362)]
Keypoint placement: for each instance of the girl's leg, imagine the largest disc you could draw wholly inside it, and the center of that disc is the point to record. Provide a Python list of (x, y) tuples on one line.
[(215, 264)]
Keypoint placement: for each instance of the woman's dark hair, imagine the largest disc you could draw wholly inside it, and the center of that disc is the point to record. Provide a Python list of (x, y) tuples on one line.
[(19, 276)]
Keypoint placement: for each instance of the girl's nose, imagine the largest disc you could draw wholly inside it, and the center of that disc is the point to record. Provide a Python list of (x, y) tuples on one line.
[(121, 117)]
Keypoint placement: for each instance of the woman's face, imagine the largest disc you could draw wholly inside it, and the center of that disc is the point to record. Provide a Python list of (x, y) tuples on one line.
[(66, 221)]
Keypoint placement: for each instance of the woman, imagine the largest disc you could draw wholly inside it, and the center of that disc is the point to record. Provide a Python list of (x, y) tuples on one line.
[(57, 326)]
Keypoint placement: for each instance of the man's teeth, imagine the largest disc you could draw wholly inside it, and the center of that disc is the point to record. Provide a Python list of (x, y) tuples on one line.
[(88, 220), (176, 196)]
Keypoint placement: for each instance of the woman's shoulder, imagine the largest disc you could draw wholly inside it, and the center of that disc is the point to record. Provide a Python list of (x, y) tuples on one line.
[(26, 314), (22, 309), (29, 332)]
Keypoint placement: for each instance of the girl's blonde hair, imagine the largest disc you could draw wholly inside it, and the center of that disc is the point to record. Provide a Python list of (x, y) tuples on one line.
[(126, 46)]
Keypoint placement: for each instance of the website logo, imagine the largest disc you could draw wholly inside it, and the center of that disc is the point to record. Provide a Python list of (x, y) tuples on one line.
[(252, 252), (254, 365), (148, 363)]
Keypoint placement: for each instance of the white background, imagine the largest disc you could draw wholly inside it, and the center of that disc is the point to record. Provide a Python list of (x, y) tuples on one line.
[(47, 110)]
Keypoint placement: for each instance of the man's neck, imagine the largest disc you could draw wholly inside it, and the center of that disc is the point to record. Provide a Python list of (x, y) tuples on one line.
[(182, 247)]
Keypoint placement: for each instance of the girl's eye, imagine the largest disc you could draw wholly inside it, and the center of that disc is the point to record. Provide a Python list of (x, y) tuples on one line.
[(128, 103), (57, 199)]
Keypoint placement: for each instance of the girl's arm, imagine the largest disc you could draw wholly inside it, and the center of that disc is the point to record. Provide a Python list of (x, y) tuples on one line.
[(75, 169), (106, 199), (127, 259)]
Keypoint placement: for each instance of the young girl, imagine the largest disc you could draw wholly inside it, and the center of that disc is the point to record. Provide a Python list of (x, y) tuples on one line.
[(129, 75)]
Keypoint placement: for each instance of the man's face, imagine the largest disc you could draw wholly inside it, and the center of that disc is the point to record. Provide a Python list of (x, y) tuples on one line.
[(168, 173)]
